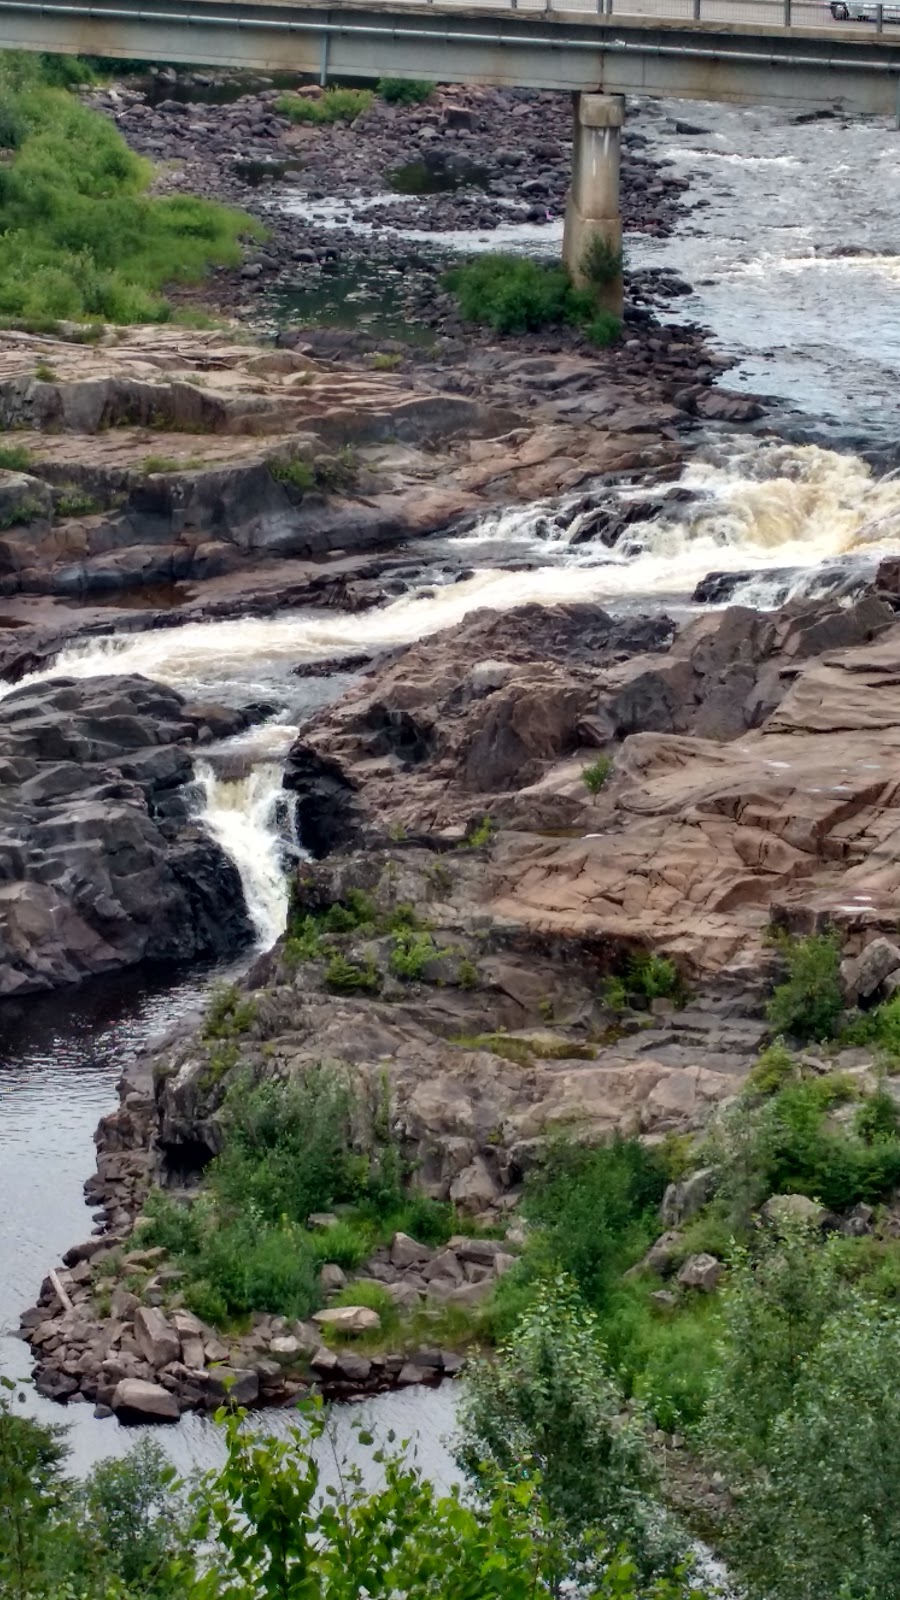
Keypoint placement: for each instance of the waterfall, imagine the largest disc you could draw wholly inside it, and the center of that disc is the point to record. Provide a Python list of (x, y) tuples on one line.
[(244, 814)]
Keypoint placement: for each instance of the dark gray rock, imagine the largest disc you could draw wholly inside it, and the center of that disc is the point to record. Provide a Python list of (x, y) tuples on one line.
[(101, 862)]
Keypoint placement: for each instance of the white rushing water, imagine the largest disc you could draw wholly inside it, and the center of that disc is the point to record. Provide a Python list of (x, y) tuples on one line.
[(755, 505), (242, 814)]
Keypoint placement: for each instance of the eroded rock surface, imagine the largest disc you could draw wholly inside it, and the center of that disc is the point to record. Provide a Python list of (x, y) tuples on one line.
[(102, 861)]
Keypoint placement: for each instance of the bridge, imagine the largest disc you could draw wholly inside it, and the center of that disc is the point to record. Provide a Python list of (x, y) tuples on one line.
[(784, 52)]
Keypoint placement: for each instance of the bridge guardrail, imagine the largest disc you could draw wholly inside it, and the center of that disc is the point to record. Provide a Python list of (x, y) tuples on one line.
[(874, 18)]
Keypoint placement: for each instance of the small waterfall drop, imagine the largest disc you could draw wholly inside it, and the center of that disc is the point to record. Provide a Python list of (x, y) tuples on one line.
[(242, 814)]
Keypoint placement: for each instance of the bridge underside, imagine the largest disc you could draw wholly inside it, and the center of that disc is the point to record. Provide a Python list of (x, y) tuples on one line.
[(558, 50)]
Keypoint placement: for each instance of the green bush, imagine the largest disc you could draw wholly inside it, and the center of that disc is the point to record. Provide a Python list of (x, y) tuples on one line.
[(82, 240), (405, 91), (596, 1209), (296, 472), (809, 1003), (412, 953), (512, 294), (346, 1243), (654, 977), (603, 329), (598, 773), (228, 1015), (335, 105), (600, 263), (350, 977), (75, 502), (774, 1068)]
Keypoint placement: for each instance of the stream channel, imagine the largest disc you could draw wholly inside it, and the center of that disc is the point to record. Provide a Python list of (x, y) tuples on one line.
[(791, 240)]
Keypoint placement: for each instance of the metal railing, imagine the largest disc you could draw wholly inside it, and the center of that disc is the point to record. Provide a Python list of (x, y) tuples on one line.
[(874, 18)]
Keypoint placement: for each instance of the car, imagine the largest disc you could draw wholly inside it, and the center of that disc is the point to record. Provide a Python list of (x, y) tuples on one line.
[(863, 11)]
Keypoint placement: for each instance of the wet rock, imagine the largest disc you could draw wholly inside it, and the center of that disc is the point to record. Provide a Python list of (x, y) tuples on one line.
[(95, 871)]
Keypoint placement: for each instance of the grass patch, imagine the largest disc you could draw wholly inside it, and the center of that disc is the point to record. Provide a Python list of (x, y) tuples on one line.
[(386, 360), (597, 774), (405, 91), (525, 1051), (335, 105), (15, 458), (82, 239), (335, 474), (75, 502)]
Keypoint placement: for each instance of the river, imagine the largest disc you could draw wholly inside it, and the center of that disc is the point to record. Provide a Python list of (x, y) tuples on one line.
[(772, 215)]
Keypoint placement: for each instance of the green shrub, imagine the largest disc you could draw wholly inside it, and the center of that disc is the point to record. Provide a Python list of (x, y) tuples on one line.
[(879, 1027), (772, 1070), (654, 977), (511, 294), (44, 373), (405, 91), (75, 502), (347, 1243), (386, 360), (480, 833), (350, 977), (600, 263), (412, 953), (295, 471), (228, 1016), (15, 458), (335, 105), (598, 773), (596, 1209), (809, 1003), (602, 329)]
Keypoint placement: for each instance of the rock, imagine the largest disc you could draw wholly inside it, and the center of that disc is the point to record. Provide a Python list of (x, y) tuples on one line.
[(286, 1347), (862, 977), (664, 1254), (664, 1299), (156, 1338), (324, 1361), (123, 1304), (858, 1222), (684, 1199), (410, 1374), (783, 1209), (192, 1352), (106, 878), (332, 1278), (319, 1221), (136, 1400), (352, 1368), (701, 1272), (405, 1252), (238, 1385), (349, 1319), (475, 1189), (444, 1265), (187, 1325)]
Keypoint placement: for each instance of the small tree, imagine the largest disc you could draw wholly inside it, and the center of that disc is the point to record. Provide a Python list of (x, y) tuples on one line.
[(547, 1405)]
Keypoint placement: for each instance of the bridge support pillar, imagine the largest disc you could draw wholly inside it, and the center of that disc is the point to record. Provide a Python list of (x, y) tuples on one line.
[(592, 206)]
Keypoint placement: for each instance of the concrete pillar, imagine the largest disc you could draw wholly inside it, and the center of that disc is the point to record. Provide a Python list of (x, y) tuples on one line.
[(592, 206)]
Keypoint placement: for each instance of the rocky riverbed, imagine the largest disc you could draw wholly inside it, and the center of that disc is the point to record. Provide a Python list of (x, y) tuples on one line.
[(751, 779)]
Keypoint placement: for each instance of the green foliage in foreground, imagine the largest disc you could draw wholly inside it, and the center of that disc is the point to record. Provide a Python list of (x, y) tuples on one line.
[(549, 1399), (512, 294), (335, 105), (405, 91), (804, 1421), (80, 238)]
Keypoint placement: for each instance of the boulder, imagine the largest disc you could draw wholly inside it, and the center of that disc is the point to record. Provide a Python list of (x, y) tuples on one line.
[(701, 1272), (663, 1255), (157, 1340), (864, 975), (785, 1209), (406, 1252), (238, 1385), (684, 1199), (136, 1400), (287, 1347), (332, 1278), (349, 1319)]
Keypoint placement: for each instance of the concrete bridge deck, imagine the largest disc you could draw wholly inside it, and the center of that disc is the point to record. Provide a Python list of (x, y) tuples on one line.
[(779, 51)]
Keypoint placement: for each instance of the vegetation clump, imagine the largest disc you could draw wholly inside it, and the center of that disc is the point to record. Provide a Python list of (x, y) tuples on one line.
[(597, 774), (82, 238), (15, 458), (512, 294), (405, 91), (808, 1005), (335, 105)]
